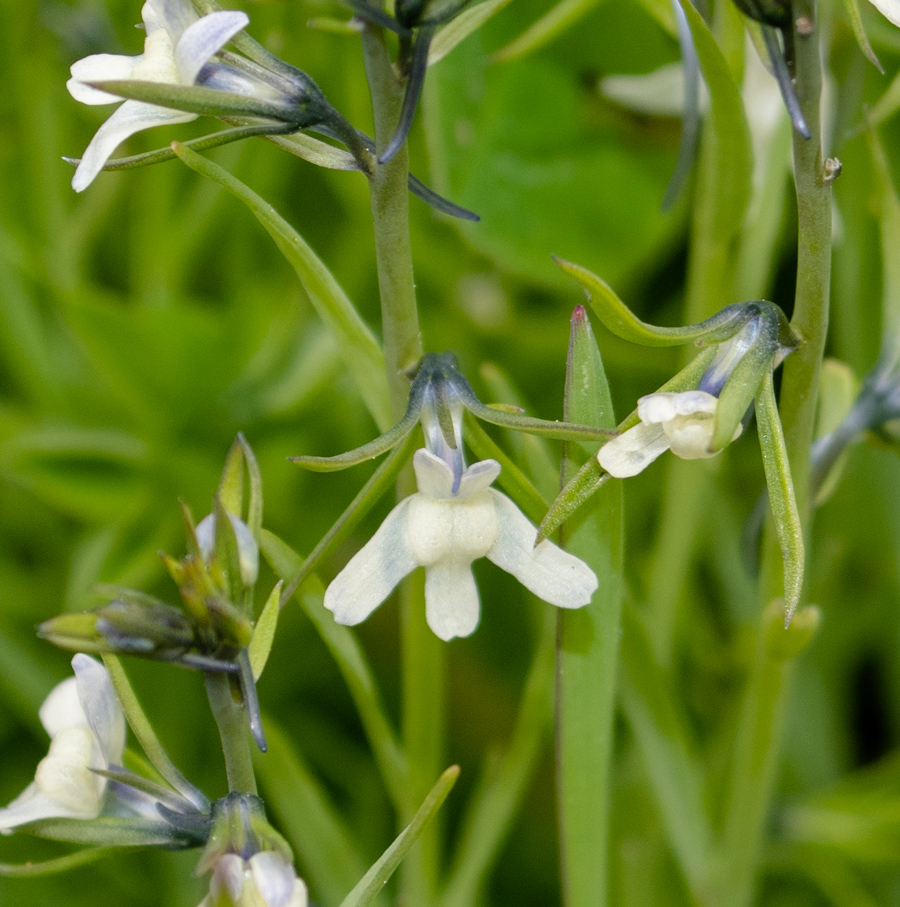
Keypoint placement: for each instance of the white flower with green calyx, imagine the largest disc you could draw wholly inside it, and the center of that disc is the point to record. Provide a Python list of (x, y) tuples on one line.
[(455, 518), (177, 47), (86, 725)]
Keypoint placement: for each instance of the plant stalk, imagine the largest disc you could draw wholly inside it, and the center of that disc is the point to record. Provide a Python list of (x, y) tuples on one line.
[(233, 731)]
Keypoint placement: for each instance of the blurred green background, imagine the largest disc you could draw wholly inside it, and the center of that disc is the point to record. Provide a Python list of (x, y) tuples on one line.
[(145, 323)]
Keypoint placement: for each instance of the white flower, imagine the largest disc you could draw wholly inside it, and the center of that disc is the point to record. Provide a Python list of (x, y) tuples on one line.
[(248, 550), (87, 730), (177, 46), (444, 532), (680, 422), (267, 879)]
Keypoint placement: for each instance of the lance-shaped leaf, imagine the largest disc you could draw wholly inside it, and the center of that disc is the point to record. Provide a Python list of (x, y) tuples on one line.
[(588, 643), (146, 736), (264, 632), (373, 882), (618, 318), (859, 32), (231, 485), (781, 494), (359, 348), (206, 101)]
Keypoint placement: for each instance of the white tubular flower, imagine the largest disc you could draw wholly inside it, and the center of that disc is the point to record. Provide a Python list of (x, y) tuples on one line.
[(267, 879), (680, 422), (443, 531), (248, 550), (177, 46), (86, 725)]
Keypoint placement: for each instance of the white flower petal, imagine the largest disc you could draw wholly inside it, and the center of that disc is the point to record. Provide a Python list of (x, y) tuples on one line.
[(433, 476), (633, 451), (64, 774), (478, 477), (452, 607), (203, 38), (300, 897), (31, 806), (62, 708), (890, 9), (370, 576), (131, 117), (99, 68), (101, 706), (274, 877), (549, 572)]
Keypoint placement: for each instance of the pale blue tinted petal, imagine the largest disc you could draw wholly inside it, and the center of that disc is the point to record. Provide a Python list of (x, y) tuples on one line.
[(370, 576), (97, 68), (477, 477), (433, 476), (172, 15), (202, 39), (633, 451), (131, 117), (549, 572), (101, 706), (452, 607), (274, 877)]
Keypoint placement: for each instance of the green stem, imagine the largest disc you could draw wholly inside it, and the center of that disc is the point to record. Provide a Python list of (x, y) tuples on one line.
[(390, 212), (422, 653), (757, 748), (233, 731)]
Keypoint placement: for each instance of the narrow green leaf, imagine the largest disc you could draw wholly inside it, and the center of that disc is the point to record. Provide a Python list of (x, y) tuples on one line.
[(493, 809), (781, 494), (859, 32), (372, 883), (229, 558), (323, 846), (618, 318), (146, 736), (661, 731), (314, 151), (739, 392), (60, 864), (264, 632), (231, 485), (588, 643), (565, 14), (727, 162), (458, 29), (889, 222), (359, 348), (254, 478), (351, 662)]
